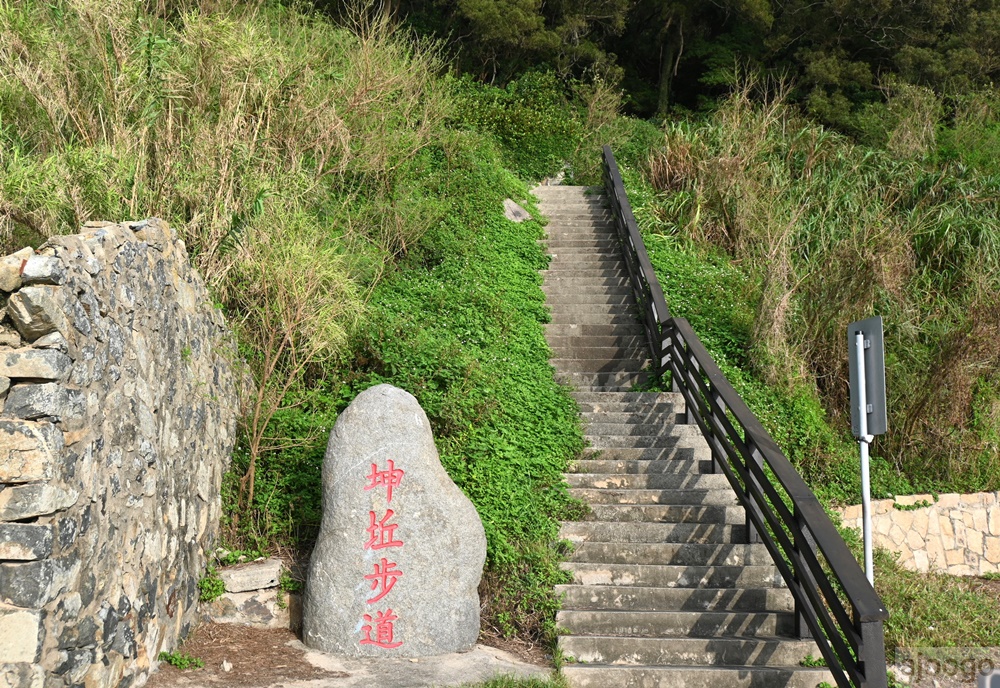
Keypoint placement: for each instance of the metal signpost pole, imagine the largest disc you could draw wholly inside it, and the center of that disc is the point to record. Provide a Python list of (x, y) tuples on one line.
[(868, 409), (863, 439)]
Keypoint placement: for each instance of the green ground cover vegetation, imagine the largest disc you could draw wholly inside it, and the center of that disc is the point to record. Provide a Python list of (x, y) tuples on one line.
[(340, 189)]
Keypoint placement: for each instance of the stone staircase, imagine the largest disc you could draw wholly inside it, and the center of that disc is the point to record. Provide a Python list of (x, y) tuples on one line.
[(664, 591)]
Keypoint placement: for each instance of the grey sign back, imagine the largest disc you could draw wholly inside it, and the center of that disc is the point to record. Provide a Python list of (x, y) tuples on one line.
[(874, 354)]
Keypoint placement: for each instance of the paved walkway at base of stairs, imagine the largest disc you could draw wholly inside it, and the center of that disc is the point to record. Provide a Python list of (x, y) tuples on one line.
[(265, 658)]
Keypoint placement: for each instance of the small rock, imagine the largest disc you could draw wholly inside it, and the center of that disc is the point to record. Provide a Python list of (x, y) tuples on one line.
[(53, 340), (43, 270), (25, 541), (18, 635), (37, 311), (35, 364), (514, 212), (227, 666), (256, 575), (28, 450), (10, 269), (9, 337), (19, 502), (49, 400)]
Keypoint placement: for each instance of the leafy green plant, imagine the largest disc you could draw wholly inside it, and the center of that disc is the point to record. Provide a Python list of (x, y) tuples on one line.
[(181, 661), (211, 586), (919, 504), (812, 662), (290, 584)]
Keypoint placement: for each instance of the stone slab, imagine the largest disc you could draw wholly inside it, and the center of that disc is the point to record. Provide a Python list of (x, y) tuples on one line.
[(28, 450), (37, 364), (514, 212), (18, 502), (253, 575)]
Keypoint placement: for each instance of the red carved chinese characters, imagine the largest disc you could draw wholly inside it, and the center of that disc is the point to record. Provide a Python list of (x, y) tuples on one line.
[(383, 629), (379, 628), (384, 577), (381, 534), (388, 478)]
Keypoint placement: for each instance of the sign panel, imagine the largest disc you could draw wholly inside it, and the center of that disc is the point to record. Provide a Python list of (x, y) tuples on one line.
[(874, 367)]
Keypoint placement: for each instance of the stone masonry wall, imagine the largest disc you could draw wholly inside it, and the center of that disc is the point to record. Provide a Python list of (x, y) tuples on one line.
[(956, 534), (118, 417)]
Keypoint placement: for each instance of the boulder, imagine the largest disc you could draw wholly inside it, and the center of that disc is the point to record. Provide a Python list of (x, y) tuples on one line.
[(253, 575), (514, 212), (400, 552)]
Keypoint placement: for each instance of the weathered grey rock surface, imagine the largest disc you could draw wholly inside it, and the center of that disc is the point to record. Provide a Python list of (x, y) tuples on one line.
[(514, 212), (432, 536)]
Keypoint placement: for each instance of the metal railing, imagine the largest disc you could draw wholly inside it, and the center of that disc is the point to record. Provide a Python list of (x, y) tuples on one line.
[(834, 602)]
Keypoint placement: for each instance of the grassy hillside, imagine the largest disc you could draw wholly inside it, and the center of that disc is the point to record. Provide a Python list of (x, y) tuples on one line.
[(344, 203)]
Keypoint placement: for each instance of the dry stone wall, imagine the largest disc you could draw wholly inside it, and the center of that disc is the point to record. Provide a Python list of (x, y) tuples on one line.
[(118, 415), (953, 533)]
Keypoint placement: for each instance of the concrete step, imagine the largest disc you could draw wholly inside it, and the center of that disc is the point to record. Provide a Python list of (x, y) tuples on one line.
[(624, 379), (604, 353), (675, 554), (720, 651), (643, 441), (597, 365), (630, 347), (556, 290), (667, 456), (609, 309), (588, 253), (574, 233), (653, 429), (687, 460), (577, 318), (653, 576), (632, 329), (554, 284), (570, 264), (586, 273), (648, 481), (628, 397), (604, 676), (668, 513), (609, 531), (675, 624), (658, 415), (566, 297), (594, 496), (606, 243), (635, 598)]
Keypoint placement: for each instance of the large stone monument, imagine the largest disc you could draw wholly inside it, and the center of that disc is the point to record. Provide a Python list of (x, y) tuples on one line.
[(396, 568)]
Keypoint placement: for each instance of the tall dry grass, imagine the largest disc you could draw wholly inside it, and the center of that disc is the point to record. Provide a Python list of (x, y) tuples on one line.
[(831, 232), (278, 144)]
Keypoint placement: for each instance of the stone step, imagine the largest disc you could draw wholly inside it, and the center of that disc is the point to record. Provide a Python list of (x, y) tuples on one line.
[(565, 298), (719, 651), (675, 624), (575, 318), (642, 441), (586, 273), (605, 531), (659, 415), (649, 481), (590, 309), (582, 254), (624, 379), (597, 365), (553, 282), (604, 676), (668, 513), (626, 409), (666, 456), (653, 576), (675, 553), (635, 598), (685, 461), (595, 496), (603, 353), (574, 264), (556, 291), (564, 267), (560, 233), (653, 429), (632, 329), (606, 243), (595, 397)]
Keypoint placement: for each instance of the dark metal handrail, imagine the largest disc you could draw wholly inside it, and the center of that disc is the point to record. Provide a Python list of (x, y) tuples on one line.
[(834, 602)]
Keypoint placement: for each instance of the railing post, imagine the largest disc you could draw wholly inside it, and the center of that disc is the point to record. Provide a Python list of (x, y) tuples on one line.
[(803, 540), (757, 459), (872, 654)]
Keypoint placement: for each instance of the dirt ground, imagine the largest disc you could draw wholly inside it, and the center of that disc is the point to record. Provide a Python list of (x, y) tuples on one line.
[(261, 658)]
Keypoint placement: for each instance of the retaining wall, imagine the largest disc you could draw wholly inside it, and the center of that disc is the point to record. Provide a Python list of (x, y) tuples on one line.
[(956, 534), (118, 416)]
